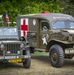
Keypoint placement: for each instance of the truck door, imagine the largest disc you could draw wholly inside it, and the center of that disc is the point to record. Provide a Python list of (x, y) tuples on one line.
[(44, 28)]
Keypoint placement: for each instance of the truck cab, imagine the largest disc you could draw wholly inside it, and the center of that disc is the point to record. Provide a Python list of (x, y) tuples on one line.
[(50, 32), (12, 47)]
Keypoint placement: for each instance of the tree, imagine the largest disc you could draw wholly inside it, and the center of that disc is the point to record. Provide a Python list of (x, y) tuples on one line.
[(68, 6), (16, 7)]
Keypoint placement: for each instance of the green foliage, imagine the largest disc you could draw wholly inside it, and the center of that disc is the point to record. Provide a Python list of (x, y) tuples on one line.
[(68, 6), (17, 7)]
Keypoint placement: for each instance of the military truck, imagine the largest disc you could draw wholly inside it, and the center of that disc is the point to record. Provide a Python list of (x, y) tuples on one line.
[(13, 48), (50, 32)]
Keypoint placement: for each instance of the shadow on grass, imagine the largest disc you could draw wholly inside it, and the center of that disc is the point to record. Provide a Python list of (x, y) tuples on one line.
[(45, 59), (42, 58), (10, 65), (69, 63)]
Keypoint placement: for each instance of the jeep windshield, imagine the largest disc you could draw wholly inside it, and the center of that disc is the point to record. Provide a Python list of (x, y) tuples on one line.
[(63, 24), (8, 33)]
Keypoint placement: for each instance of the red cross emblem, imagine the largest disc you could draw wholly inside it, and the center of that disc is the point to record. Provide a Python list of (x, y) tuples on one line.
[(24, 27)]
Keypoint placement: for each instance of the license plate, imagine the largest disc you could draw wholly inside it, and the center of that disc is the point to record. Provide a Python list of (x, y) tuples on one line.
[(15, 60), (69, 51)]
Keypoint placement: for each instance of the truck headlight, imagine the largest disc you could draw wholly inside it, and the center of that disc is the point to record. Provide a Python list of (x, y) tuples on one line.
[(2, 46)]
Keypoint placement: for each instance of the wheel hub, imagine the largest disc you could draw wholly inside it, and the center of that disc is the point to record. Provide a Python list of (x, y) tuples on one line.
[(54, 56)]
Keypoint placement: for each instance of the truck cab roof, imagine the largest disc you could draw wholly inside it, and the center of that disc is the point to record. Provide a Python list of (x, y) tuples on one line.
[(48, 16)]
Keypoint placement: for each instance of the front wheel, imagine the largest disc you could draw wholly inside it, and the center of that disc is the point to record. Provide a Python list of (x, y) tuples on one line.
[(27, 61), (56, 56)]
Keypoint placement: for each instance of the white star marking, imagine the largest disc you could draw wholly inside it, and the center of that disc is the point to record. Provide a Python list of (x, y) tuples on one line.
[(44, 40)]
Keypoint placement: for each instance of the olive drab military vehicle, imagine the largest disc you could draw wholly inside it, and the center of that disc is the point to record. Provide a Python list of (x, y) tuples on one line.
[(50, 32), (13, 48)]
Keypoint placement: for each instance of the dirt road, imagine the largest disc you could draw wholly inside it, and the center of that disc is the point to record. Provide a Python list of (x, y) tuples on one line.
[(40, 66)]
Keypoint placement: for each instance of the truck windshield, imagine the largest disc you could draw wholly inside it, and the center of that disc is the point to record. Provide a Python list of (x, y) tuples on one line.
[(8, 32), (60, 24)]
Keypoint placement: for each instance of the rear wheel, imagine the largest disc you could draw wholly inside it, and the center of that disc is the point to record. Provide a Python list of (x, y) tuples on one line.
[(56, 56), (27, 61)]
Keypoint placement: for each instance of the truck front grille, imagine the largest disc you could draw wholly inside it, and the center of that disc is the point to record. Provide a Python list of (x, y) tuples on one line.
[(12, 48)]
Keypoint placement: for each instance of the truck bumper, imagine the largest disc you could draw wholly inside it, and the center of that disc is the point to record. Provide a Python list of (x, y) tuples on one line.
[(18, 58), (13, 57)]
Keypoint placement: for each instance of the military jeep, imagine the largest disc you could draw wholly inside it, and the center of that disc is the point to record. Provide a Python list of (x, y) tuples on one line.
[(13, 48), (53, 33)]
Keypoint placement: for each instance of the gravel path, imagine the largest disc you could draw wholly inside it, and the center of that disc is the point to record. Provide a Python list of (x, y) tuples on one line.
[(40, 65)]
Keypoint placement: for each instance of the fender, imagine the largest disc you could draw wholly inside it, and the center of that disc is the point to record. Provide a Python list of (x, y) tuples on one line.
[(54, 41)]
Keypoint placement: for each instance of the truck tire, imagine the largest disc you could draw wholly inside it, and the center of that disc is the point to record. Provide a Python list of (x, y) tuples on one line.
[(56, 56), (27, 62)]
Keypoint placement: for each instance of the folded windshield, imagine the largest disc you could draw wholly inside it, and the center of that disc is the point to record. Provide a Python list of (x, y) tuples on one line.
[(60, 24), (8, 32)]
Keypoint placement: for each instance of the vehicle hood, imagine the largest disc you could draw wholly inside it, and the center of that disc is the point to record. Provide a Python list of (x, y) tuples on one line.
[(70, 31), (8, 41)]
